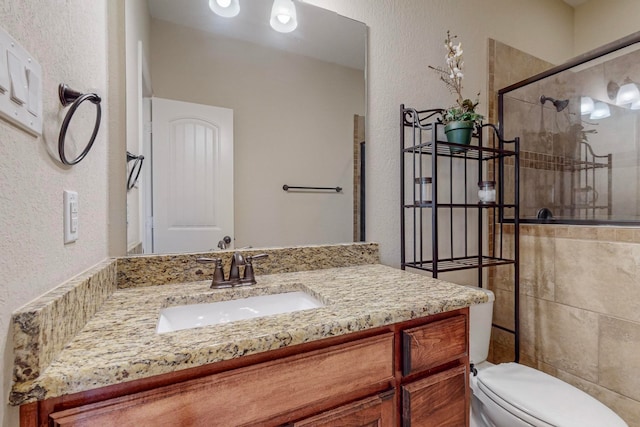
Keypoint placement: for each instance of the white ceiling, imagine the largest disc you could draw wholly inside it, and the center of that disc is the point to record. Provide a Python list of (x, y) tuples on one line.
[(321, 34)]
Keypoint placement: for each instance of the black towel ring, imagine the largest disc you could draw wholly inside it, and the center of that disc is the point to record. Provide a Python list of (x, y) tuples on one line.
[(75, 98), (137, 165)]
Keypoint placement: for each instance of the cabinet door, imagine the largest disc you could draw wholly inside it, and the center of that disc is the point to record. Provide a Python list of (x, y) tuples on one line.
[(434, 344), (376, 411), (437, 401)]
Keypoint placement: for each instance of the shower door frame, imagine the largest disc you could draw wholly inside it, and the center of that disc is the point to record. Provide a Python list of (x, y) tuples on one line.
[(579, 60)]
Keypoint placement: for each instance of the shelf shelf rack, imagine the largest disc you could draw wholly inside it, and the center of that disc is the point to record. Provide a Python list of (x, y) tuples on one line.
[(452, 215)]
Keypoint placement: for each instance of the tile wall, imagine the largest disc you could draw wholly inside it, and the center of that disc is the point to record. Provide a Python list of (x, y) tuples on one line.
[(579, 287), (579, 290)]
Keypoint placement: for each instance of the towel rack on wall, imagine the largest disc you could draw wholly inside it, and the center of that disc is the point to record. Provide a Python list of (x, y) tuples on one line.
[(134, 173), (69, 96), (289, 187)]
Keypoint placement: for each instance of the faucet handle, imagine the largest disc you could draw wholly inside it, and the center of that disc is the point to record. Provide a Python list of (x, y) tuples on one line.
[(218, 274), (249, 276)]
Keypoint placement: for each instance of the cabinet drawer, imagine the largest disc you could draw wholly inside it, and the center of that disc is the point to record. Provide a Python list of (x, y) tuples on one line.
[(437, 401), (434, 344), (375, 411), (258, 394)]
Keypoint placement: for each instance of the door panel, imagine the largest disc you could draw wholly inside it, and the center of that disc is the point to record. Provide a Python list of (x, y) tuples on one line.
[(192, 176)]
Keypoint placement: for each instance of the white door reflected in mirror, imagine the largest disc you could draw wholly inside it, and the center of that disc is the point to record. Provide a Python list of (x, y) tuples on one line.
[(192, 170)]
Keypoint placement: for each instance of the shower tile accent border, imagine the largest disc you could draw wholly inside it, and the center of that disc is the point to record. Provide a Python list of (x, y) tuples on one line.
[(542, 161), (579, 232), (143, 271), (43, 327)]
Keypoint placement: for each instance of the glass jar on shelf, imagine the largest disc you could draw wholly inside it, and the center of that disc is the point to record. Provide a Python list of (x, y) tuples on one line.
[(487, 192), (423, 190)]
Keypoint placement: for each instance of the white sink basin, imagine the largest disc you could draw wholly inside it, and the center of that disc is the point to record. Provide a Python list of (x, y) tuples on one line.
[(196, 315)]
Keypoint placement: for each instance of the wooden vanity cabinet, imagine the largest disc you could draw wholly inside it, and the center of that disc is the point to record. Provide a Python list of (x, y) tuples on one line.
[(411, 374)]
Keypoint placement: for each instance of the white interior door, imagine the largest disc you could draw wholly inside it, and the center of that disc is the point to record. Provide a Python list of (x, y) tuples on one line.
[(192, 165)]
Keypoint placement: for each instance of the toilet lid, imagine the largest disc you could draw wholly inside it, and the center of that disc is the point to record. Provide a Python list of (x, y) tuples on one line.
[(534, 396)]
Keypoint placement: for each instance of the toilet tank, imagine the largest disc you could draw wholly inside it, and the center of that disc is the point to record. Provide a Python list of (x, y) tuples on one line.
[(480, 319)]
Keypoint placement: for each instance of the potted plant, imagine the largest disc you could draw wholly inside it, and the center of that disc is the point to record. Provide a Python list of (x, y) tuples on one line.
[(461, 118)]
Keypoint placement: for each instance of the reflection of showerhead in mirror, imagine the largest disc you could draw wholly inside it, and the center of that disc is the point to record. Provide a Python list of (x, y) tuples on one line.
[(560, 104)]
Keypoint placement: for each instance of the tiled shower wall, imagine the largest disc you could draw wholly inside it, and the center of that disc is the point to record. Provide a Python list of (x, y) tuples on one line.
[(579, 288), (579, 317)]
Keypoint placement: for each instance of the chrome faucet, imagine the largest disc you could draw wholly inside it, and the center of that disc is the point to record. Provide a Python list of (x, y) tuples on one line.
[(234, 279), (234, 272)]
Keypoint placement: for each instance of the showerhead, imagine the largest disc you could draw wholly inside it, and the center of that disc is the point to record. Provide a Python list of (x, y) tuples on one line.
[(560, 104)]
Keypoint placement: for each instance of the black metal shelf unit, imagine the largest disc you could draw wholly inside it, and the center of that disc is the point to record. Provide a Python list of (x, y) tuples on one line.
[(439, 234)]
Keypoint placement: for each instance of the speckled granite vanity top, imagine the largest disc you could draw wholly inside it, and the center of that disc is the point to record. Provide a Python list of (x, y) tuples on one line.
[(119, 342)]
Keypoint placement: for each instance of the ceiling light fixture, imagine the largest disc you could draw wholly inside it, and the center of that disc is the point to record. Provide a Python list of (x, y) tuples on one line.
[(283, 16), (586, 105), (225, 8), (600, 111), (628, 94)]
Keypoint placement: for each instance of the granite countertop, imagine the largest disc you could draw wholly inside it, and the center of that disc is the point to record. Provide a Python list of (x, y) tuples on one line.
[(119, 343)]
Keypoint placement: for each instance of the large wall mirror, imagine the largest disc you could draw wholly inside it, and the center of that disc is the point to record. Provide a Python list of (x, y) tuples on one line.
[(580, 140), (292, 105)]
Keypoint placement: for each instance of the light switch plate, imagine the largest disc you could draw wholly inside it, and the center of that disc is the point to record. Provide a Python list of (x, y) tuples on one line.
[(70, 199), (20, 86)]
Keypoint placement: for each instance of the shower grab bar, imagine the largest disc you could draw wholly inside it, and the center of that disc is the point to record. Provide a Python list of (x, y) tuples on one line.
[(289, 187)]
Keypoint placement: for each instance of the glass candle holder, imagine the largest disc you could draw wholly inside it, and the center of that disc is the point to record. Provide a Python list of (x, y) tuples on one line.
[(423, 190), (487, 191)]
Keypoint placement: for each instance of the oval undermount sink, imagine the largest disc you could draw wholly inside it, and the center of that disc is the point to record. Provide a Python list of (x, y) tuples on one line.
[(196, 315)]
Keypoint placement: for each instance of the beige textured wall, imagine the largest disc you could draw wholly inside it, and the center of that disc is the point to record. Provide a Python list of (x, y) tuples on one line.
[(404, 38), (138, 29), (598, 22), (293, 124), (69, 40), (116, 220)]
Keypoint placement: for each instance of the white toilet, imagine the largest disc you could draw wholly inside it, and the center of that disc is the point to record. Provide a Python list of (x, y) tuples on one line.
[(514, 395)]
